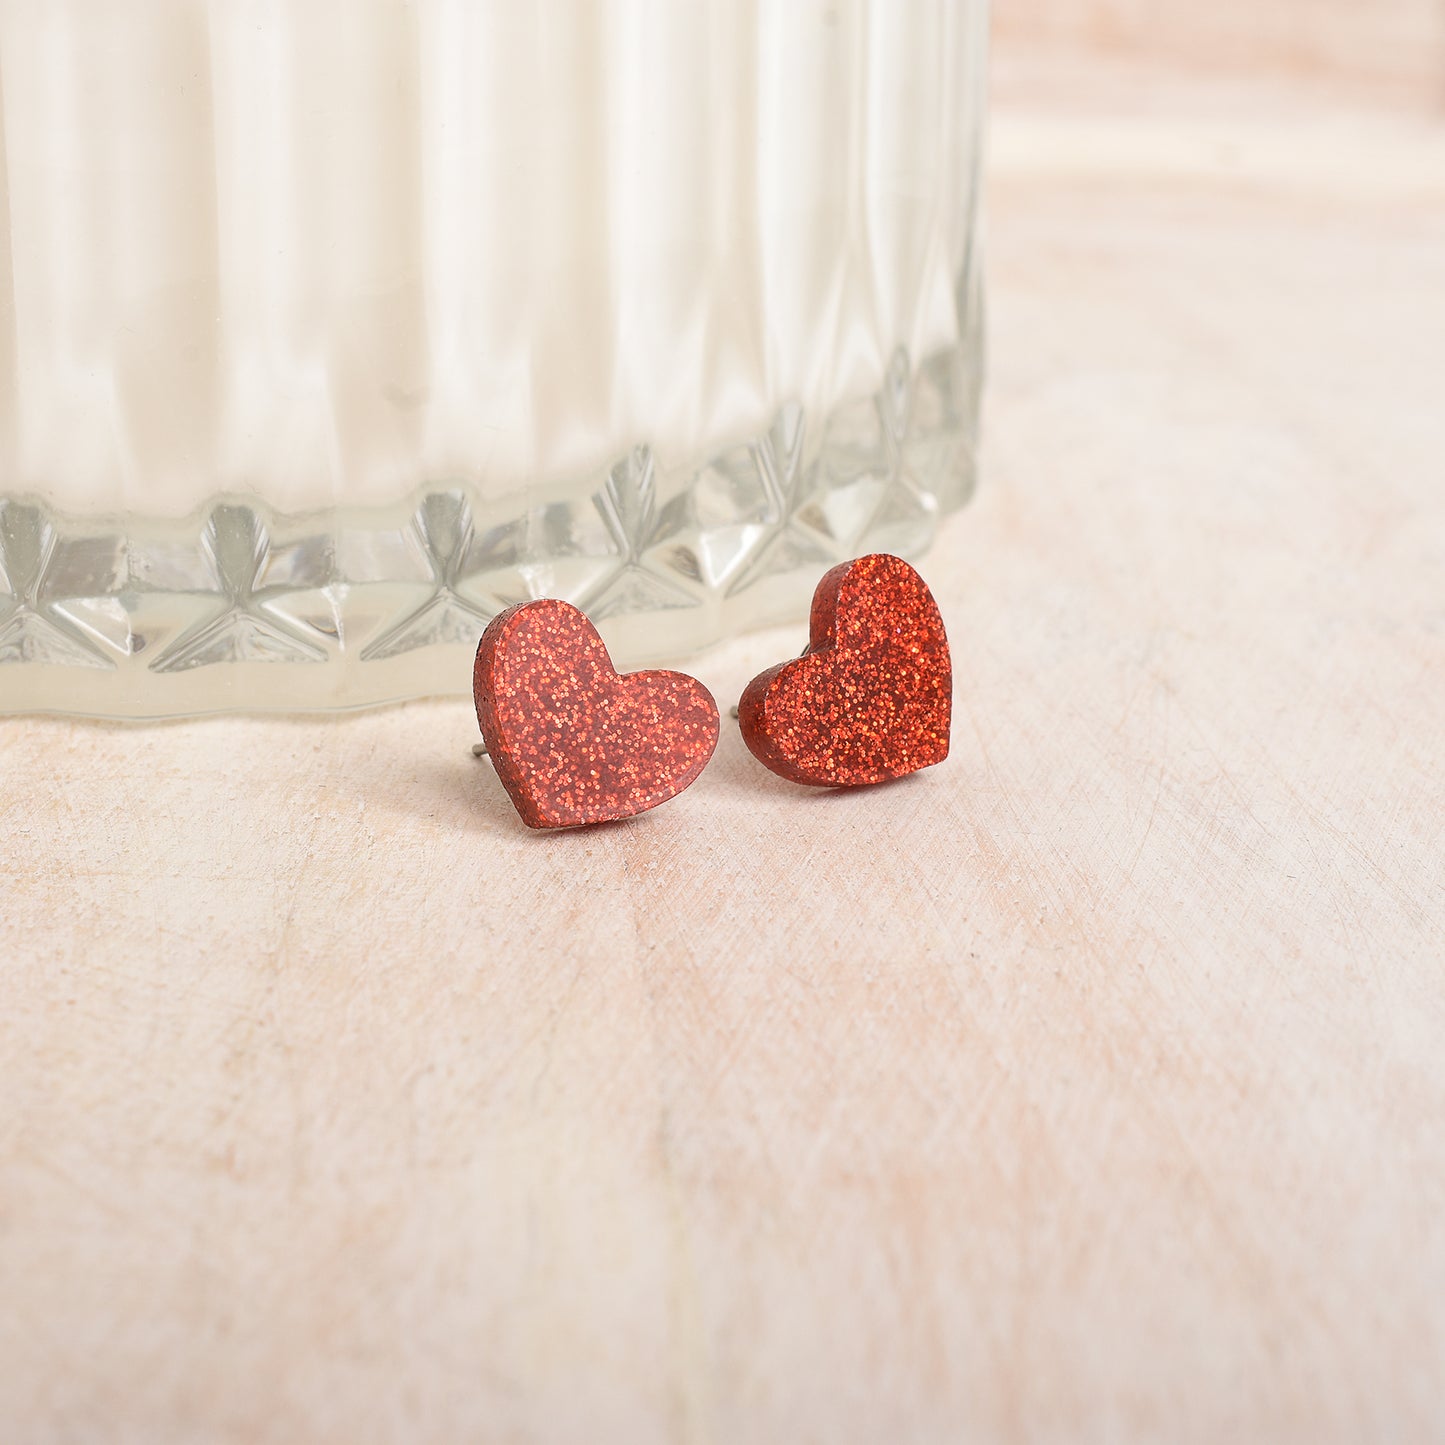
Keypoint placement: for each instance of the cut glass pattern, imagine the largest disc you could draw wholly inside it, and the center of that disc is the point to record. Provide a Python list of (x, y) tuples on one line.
[(243, 608)]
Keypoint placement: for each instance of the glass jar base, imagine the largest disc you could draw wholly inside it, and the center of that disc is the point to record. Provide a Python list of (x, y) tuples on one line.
[(244, 609)]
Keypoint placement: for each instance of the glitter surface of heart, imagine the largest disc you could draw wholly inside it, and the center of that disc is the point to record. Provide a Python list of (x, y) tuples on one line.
[(871, 699), (573, 741)]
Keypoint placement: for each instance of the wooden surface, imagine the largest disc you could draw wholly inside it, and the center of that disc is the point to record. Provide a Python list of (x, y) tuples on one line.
[(1390, 50), (1090, 1087)]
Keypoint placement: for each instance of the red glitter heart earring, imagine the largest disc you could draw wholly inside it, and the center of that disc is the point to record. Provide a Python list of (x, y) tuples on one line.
[(871, 698), (572, 740)]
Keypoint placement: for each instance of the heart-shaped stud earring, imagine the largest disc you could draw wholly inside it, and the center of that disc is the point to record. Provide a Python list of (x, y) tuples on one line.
[(871, 698), (574, 741)]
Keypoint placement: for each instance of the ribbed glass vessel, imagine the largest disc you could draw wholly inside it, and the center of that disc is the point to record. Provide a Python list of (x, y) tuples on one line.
[(337, 326)]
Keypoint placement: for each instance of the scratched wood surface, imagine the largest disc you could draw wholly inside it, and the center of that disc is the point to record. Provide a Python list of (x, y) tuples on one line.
[(1090, 1087)]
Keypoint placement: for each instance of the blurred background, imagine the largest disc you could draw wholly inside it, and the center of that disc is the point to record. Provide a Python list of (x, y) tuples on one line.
[(1389, 50)]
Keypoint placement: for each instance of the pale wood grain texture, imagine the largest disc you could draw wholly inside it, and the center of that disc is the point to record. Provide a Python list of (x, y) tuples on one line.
[(1090, 1087), (1390, 50)]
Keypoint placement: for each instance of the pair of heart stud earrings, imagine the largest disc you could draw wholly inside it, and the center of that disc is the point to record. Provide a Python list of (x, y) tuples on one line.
[(575, 742)]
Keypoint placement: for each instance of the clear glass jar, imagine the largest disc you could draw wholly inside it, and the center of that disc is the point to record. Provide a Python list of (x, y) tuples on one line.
[(339, 325)]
